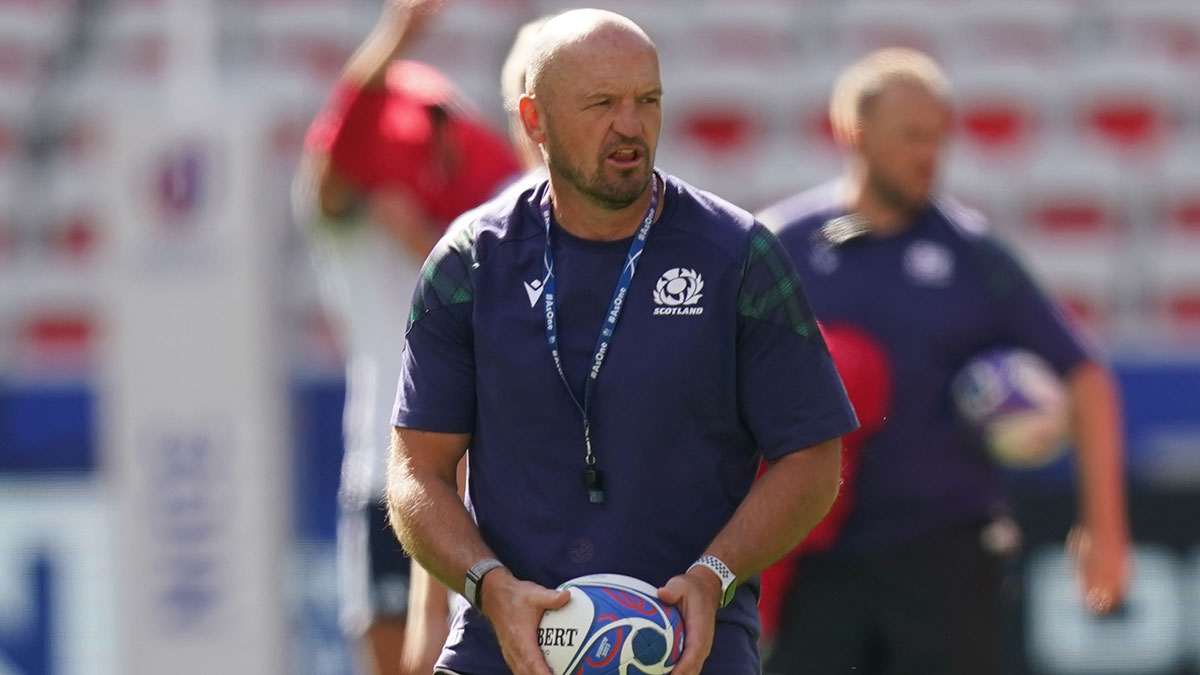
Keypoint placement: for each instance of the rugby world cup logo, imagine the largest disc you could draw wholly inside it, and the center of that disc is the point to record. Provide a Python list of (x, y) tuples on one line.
[(678, 291)]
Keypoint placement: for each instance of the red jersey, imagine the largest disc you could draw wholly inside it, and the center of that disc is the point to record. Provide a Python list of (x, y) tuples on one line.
[(402, 135), (863, 366)]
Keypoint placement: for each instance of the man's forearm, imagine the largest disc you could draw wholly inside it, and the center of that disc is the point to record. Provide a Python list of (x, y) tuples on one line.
[(786, 502), (400, 22), (1096, 423), (429, 516)]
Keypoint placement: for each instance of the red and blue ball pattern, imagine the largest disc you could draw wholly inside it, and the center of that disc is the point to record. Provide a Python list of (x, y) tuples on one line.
[(630, 631)]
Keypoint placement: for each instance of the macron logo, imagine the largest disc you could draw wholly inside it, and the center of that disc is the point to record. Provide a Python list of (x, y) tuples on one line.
[(534, 290)]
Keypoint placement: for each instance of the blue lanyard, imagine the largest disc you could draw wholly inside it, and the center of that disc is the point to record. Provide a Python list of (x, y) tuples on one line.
[(592, 477)]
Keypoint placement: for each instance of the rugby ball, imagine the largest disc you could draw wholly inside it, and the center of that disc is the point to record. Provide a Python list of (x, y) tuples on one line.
[(1018, 404), (613, 624)]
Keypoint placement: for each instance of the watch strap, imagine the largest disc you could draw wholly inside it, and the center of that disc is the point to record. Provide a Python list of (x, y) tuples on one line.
[(726, 575), (475, 579)]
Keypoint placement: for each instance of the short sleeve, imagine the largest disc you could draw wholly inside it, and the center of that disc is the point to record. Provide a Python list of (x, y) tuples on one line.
[(436, 391), (1030, 319), (789, 392), (347, 129)]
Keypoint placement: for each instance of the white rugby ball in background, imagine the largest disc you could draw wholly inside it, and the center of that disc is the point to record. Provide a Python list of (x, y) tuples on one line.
[(1018, 403)]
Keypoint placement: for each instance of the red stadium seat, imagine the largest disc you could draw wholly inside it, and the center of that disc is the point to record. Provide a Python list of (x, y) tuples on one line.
[(805, 111), (55, 341), (1179, 196), (1002, 113), (1069, 195), (1174, 291), (725, 114), (1131, 111)]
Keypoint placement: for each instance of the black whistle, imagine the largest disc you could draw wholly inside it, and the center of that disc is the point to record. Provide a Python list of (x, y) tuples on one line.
[(593, 480)]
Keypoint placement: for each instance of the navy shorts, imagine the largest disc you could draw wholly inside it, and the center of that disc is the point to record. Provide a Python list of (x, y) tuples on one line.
[(373, 571)]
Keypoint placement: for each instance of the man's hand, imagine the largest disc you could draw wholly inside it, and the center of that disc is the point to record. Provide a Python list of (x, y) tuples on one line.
[(408, 18), (1102, 563), (696, 595), (515, 609)]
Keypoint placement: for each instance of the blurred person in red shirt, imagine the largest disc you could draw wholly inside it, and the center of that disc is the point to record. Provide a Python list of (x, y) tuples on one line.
[(867, 376), (395, 155)]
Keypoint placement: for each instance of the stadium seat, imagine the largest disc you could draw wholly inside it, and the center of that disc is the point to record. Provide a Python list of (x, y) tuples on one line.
[(787, 169), (1002, 112), (70, 221), (472, 35), (1073, 196), (312, 38), (1133, 111), (750, 34), (1178, 199), (54, 340), (1034, 32), (864, 25), (803, 109), (77, 122), (31, 34), (985, 187), (8, 223), (12, 120), (727, 114), (1163, 30), (1089, 282), (1174, 292)]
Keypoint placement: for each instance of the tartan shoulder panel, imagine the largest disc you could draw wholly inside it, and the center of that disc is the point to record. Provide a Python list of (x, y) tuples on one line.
[(771, 289), (446, 275)]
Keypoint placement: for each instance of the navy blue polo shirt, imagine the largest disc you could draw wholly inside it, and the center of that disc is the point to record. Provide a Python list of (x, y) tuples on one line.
[(716, 363), (934, 294)]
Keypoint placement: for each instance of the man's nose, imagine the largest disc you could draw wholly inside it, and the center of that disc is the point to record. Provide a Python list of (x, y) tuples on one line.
[(627, 123)]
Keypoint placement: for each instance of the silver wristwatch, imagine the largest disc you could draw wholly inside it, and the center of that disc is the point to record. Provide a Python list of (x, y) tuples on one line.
[(728, 580), (475, 579)]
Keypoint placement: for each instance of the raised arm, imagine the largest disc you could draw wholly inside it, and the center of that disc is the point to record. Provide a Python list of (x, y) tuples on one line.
[(400, 23)]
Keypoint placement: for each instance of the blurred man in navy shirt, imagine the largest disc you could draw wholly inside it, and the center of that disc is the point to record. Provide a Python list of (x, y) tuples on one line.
[(912, 584)]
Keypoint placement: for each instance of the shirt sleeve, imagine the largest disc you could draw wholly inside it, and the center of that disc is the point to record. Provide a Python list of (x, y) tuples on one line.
[(347, 129), (1030, 318), (789, 392), (436, 391)]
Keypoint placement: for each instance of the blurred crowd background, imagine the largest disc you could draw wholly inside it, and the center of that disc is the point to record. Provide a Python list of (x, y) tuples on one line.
[(130, 128)]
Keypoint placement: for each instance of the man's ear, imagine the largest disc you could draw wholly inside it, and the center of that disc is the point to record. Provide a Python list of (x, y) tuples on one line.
[(851, 137), (532, 118)]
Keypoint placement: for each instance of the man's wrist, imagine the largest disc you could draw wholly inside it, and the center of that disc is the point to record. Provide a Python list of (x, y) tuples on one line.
[(717, 569), (473, 586)]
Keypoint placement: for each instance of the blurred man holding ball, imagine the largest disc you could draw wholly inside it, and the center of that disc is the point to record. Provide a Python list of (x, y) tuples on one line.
[(912, 582)]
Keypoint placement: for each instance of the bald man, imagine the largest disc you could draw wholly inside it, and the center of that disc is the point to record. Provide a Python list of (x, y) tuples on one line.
[(914, 581), (620, 351)]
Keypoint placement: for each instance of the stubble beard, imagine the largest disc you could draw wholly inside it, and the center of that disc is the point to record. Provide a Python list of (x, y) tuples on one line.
[(610, 194), (895, 197)]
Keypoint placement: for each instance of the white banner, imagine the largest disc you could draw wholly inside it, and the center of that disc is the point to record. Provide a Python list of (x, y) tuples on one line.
[(192, 409)]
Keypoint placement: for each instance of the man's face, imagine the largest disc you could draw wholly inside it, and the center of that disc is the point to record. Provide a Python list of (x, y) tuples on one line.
[(903, 133), (601, 116)]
